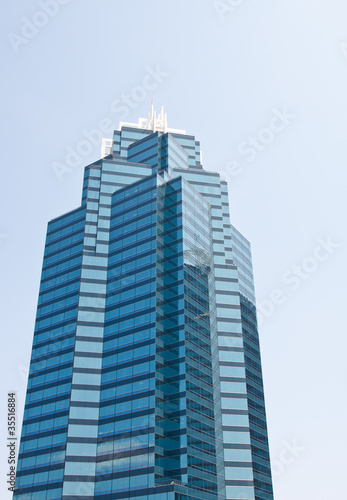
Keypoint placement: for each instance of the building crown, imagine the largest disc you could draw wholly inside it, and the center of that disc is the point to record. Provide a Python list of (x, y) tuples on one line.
[(153, 122)]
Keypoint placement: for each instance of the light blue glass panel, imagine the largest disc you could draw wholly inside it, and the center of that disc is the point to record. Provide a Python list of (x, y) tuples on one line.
[(79, 395), (76, 468), (78, 488), (229, 327), (236, 437), (95, 317), (237, 357), (234, 404), (81, 449), (237, 455), (88, 346), (233, 387), (246, 492), (232, 371), (86, 378), (235, 420), (230, 341), (81, 362), (90, 331)]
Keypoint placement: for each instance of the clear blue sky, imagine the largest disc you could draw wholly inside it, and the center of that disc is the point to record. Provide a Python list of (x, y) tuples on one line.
[(262, 85)]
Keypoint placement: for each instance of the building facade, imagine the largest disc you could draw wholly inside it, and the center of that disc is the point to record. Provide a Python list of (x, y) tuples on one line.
[(145, 378)]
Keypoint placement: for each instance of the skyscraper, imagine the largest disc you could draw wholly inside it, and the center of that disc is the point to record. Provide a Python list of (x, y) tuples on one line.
[(145, 378)]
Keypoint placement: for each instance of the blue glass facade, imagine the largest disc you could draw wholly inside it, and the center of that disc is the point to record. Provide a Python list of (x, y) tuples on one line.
[(145, 378)]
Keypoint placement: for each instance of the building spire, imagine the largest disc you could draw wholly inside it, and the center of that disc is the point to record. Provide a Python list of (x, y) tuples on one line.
[(154, 123)]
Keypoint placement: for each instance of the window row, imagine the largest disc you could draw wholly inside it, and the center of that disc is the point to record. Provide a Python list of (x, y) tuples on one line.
[(56, 318), (131, 406), (63, 243), (134, 238), (63, 255), (54, 333), (135, 200), (131, 294), (48, 378), (58, 293), (133, 214), (65, 220), (43, 394), (135, 264), (43, 442), (127, 389), (126, 444), (43, 364), (125, 338), (44, 426), (59, 280), (41, 460), (131, 308), (66, 231), (49, 349), (51, 476), (131, 279), (131, 424), (129, 355), (142, 481), (57, 306)]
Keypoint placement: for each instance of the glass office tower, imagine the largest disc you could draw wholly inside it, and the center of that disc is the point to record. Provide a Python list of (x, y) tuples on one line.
[(145, 378)]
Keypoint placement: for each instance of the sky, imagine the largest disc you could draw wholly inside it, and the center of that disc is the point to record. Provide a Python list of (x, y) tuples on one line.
[(262, 85)]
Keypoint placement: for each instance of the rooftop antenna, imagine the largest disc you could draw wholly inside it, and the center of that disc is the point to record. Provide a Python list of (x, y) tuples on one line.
[(151, 117), (153, 122)]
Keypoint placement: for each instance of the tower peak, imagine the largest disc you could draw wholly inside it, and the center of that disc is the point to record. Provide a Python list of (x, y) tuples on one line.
[(153, 122)]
